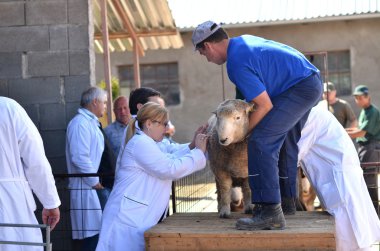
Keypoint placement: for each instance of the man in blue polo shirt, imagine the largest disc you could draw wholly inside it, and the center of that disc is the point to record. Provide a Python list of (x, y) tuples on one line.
[(284, 86)]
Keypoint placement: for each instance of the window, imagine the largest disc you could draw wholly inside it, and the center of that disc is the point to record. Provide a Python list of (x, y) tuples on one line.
[(162, 77), (339, 69)]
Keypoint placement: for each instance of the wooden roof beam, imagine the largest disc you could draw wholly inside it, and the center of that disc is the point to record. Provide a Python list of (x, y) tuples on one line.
[(128, 25), (148, 33)]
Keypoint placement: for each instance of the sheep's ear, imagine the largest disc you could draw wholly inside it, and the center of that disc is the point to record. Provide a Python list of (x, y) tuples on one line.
[(250, 108)]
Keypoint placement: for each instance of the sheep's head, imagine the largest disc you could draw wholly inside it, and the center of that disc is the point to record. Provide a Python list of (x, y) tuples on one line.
[(232, 121)]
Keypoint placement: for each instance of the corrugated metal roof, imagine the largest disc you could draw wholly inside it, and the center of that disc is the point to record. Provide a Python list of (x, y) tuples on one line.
[(188, 14), (152, 22)]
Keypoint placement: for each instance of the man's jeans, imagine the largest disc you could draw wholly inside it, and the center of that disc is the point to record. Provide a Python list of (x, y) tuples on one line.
[(103, 195), (272, 146)]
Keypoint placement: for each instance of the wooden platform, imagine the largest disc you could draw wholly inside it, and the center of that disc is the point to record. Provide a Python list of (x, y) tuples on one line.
[(206, 231)]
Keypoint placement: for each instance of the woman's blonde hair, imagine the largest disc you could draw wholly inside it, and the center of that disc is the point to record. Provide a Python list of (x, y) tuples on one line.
[(151, 111)]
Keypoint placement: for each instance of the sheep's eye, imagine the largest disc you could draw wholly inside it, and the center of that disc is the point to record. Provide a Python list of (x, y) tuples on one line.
[(237, 118)]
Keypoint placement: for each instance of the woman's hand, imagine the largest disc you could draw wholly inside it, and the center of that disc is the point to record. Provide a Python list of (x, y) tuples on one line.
[(202, 129), (201, 142)]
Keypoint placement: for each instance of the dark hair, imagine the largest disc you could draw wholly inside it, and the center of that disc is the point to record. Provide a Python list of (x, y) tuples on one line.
[(217, 36), (141, 96), (149, 110)]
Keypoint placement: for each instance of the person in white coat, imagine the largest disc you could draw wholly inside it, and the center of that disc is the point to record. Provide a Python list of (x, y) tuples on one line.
[(330, 161), (143, 181), (23, 168), (84, 149)]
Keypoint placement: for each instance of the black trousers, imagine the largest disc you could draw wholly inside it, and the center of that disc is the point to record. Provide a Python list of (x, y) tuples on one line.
[(371, 153)]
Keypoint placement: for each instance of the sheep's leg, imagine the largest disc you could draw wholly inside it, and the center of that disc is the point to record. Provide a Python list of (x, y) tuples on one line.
[(224, 192), (248, 207), (218, 193)]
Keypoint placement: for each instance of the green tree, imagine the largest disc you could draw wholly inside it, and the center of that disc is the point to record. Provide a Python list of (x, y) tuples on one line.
[(115, 87)]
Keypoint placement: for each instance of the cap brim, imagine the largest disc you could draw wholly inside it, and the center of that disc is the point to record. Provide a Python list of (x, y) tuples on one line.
[(358, 93)]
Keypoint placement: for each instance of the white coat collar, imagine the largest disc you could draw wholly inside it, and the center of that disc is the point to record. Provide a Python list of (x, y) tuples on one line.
[(87, 113)]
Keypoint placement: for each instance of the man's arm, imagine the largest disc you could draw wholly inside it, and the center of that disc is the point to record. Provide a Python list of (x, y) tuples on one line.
[(353, 122), (36, 166), (355, 132), (263, 105)]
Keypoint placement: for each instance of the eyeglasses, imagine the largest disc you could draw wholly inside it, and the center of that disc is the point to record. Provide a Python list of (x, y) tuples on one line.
[(166, 123)]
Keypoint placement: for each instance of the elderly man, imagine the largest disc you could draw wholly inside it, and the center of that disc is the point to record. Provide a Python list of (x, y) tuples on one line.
[(84, 149), (115, 130), (23, 168)]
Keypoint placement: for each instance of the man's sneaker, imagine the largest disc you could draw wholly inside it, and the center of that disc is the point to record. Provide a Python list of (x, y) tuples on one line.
[(265, 217), (288, 205)]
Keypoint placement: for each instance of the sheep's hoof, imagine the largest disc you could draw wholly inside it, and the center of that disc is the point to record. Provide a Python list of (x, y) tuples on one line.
[(224, 216), (225, 212)]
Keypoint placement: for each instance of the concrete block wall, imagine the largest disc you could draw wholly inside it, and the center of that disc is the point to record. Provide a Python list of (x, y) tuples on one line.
[(46, 61)]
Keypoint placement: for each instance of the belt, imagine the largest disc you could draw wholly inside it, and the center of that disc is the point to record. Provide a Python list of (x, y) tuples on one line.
[(13, 180), (26, 189), (369, 142)]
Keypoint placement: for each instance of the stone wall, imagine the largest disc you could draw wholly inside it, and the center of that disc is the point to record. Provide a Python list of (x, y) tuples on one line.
[(46, 61)]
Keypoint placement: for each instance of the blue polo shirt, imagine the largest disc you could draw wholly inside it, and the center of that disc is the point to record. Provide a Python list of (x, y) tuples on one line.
[(255, 65)]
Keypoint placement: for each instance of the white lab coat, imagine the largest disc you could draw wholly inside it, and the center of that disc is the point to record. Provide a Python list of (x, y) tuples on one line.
[(84, 148), (141, 192), (23, 168), (331, 163)]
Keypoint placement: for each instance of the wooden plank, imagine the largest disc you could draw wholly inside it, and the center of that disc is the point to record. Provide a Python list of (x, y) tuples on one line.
[(206, 231)]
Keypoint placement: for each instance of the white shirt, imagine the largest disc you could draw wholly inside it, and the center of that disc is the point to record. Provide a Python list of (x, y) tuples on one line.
[(23, 168), (84, 148), (115, 132)]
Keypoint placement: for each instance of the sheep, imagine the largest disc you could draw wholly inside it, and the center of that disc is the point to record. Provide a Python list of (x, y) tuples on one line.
[(227, 151), (228, 159)]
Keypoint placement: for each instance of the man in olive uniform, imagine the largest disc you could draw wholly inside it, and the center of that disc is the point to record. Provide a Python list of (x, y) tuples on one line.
[(339, 107)]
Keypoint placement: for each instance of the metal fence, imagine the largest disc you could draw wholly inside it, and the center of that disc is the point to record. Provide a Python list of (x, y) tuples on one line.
[(186, 195), (188, 192), (371, 173), (46, 244)]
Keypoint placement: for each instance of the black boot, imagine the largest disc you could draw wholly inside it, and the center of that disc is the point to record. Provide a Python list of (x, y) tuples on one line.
[(288, 205), (265, 217)]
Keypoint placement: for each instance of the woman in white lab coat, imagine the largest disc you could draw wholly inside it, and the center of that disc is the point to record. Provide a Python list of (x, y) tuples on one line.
[(331, 163), (144, 175)]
